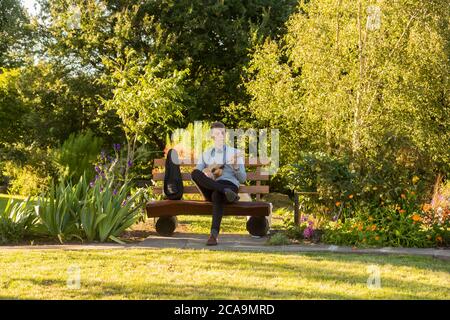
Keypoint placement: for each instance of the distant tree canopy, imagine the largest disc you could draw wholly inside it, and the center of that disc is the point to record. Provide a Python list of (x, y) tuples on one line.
[(83, 62), (211, 39), (15, 33), (375, 89)]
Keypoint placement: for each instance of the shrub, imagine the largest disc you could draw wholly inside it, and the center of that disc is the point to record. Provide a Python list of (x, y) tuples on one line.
[(344, 183), (27, 169), (278, 239), (25, 180), (108, 210), (16, 221), (405, 224), (59, 209), (77, 155)]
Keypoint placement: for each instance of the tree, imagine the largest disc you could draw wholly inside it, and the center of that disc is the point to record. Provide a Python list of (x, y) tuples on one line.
[(366, 81), (15, 33), (12, 108), (211, 39), (148, 100)]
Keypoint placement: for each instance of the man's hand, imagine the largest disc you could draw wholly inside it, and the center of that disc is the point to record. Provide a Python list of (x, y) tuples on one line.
[(208, 173)]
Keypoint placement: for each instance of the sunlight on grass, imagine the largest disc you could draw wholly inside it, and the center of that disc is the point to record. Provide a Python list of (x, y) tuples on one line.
[(203, 274), (230, 224)]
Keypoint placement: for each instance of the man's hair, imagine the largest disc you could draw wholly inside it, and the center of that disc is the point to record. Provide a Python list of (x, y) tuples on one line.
[(217, 124)]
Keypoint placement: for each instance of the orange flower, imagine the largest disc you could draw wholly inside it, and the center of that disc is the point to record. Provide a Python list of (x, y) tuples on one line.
[(402, 211), (373, 227), (416, 217), (338, 203), (350, 196), (403, 196), (439, 238), (377, 238), (360, 228), (426, 207)]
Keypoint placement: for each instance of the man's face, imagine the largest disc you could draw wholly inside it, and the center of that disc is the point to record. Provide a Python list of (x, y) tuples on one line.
[(218, 135)]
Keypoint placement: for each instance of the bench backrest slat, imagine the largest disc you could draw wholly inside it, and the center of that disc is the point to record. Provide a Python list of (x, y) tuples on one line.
[(258, 189), (249, 162)]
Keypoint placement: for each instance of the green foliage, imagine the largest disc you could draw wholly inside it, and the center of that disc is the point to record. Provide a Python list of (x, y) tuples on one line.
[(374, 101), (403, 224), (25, 180), (107, 211), (278, 239), (27, 169), (59, 209), (211, 39), (12, 107), (16, 221), (147, 103), (63, 101), (77, 155), (15, 33)]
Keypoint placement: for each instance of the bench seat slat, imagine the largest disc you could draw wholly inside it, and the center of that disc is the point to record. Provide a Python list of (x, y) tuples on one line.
[(191, 207), (242, 189)]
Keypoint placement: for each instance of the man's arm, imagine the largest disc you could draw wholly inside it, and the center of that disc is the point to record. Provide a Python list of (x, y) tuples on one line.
[(241, 175), (239, 167)]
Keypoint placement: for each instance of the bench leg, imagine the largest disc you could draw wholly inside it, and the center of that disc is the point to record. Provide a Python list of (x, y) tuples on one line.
[(165, 226), (258, 226)]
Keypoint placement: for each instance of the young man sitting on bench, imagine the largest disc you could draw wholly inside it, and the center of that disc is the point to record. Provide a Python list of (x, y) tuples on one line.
[(218, 175)]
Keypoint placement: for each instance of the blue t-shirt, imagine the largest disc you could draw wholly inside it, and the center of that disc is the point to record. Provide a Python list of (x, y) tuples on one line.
[(212, 156)]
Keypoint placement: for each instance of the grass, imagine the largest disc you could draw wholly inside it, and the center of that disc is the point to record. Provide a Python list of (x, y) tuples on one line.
[(204, 274)]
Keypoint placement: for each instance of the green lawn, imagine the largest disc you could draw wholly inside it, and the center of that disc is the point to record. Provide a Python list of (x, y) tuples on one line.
[(205, 274)]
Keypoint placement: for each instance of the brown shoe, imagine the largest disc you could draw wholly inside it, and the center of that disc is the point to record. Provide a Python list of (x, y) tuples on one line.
[(211, 241)]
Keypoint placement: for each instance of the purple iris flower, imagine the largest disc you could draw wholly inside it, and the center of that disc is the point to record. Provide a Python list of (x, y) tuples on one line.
[(129, 163), (91, 184), (335, 217), (308, 232), (97, 169), (115, 192), (116, 147)]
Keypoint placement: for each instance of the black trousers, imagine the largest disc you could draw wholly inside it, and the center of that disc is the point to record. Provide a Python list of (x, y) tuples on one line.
[(213, 191)]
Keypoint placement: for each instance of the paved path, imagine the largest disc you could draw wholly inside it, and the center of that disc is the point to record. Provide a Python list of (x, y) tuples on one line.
[(239, 242)]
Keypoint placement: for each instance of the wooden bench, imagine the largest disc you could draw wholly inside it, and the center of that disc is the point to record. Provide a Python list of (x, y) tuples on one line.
[(258, 213)]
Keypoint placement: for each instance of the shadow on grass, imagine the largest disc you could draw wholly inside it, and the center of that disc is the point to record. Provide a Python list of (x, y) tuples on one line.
[(99, 290)]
